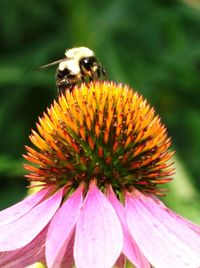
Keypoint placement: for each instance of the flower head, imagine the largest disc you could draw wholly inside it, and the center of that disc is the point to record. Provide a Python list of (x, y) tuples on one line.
[(105, 132), (101, 155)]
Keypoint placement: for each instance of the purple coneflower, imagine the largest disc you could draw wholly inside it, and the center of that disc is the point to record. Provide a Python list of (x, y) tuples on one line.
[(101, 156)]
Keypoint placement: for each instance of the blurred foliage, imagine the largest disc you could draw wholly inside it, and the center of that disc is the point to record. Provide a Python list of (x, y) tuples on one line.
[(152, 45)]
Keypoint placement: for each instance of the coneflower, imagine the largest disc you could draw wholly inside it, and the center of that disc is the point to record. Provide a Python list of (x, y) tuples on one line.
[(101, 156)]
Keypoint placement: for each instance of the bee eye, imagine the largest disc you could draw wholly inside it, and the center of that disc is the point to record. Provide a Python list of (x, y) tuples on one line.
[(87, 62)]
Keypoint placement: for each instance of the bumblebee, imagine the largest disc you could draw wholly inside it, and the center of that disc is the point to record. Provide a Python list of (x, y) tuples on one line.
[(79, 65)]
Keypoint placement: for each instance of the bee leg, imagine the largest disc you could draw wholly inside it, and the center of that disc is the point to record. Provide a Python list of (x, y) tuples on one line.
[(85, 81), (104, 74), (100, 73), (82, 79), (64, 84)]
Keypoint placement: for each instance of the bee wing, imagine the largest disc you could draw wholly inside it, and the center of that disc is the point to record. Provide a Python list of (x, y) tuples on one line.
[(53, 63)]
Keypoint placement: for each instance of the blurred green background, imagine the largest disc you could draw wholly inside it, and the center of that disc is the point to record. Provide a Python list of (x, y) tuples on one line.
[(152, 45)]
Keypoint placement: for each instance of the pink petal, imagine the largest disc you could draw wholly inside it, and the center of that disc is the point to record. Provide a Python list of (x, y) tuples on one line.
[(68, 259), (22, 231), (98, 238), (164, 239), (18, 210), (27, 255), (179, 218), (61, 229), (130, 248)]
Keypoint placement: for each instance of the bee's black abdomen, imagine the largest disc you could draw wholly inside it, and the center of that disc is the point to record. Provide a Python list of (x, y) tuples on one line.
[(61, 74), (64, 80)]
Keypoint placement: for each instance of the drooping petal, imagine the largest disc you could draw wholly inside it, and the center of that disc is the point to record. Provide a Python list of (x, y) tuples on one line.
[(18, 210), (165, 241), (61, 229), (179, 218), (130, 248), (98, 237), (68, 260), (23, 257), (22, 231)]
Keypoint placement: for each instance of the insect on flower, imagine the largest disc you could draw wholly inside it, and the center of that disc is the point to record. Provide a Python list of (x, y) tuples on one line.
[(79, 65)]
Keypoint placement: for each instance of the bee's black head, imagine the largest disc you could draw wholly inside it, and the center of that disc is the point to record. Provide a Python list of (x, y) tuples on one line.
[(91, 67)]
